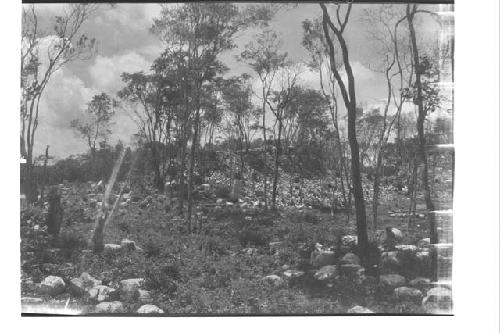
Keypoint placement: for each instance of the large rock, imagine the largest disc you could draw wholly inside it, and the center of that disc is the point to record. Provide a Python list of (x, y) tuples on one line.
[(437, 300), (274, 279), (110, 307), (127, 244), (145, 296), (354, 272), (89, 281), (391, 281), (102, 294), (389, 259), (391, 237), (327, 273), (320, 258), (129, 289), (76, 286), (408, 294), (52, 285), (350, 259), (149, 308), (359, 309), (419, 282)]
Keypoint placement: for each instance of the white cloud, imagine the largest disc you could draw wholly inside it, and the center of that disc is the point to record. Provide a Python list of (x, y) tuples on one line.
[(106, 71), (63, 100)]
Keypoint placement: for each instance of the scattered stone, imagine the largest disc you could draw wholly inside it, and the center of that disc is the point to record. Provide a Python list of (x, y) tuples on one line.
[(406, 248), (102, 293), (327, 273), (127, 244), (145, 296), (293, 273), (89, 281), (110, 307), (359, 309), (320, 258), (354, 272), (392, 281), (129, 289), (424, 243), (391, 237), (31, 300), (112, 247), (250, 251), (76, 286), (437, 299), (350, 258), (419, 282), (389, 259), (348, 242), (149, 308), (274, 247), (274, 279), (146, 202), (408, 294), (52, 285)]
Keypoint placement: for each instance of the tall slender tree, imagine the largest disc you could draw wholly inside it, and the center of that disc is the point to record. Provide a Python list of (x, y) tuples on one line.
[(264, 56), (348, 93), (42, 56)]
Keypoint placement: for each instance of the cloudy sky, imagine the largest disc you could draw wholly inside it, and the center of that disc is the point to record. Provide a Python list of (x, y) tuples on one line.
[(126, 45)]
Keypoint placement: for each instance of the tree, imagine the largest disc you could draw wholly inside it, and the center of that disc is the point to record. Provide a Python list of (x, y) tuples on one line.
[(265, 58), (349, 96), (97, 124), (200, 33), (237, 93), (314, 41), (426, 98), (384, 22), (279, 104), (158, 99), (38, 65)]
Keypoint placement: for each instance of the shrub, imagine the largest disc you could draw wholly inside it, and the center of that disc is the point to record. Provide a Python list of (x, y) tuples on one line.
[(70, 242), (153, 246), (252, 235), (162, 277), (222, 191)]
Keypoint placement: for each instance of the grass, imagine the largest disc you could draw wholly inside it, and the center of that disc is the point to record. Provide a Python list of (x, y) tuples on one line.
[(208, 272)]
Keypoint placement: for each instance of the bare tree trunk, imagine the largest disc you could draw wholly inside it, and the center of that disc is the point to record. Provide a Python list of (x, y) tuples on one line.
[(106, 211), (413, 193), (44, 180), (55, 212), (421, 138), (191, 170), (349, 97), (376, 188), (276, 164), (265, 144)]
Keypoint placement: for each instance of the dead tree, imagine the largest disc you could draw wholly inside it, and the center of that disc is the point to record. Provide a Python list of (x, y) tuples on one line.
[(55, 212)]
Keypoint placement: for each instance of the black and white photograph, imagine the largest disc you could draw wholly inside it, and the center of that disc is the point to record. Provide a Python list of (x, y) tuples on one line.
[(232, 158)]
